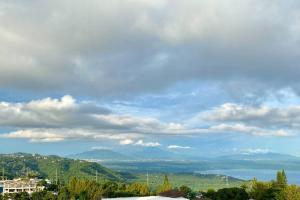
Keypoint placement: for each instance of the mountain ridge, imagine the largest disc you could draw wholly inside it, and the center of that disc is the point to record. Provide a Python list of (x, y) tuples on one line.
[(22, 164)]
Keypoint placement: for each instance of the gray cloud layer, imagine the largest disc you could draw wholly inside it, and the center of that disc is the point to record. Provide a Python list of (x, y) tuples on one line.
[(135, 46)]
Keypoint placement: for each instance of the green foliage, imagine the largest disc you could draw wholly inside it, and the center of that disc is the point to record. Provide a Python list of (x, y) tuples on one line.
[(195, 181), (138, 189), (44, 195), (166, 186), (258, 190), (291, 192), (275, 190), (21, 165), (17, 196), (263, 190), (187, 192), (84, 189), (231, 194), (210, 192), (281, 180), (63, 194)]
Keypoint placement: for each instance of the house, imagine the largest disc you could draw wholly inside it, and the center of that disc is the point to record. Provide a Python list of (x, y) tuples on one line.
[(20, 185)]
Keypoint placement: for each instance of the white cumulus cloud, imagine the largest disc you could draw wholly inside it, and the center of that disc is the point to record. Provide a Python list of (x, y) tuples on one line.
[(178, 147), (147, 144)]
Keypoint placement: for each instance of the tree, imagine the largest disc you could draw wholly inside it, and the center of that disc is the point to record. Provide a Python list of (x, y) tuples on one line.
[(188, 192), (262, 191), (138, 189), (18, 196), (63, 194), (166, 186), (109, 189), (281, 179), (49, 196), (185, 190), (86, 189), (211, 193), (291, 192), (231, 194)]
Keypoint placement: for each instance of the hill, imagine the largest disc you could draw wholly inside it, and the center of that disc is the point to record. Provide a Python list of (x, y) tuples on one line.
[(155, 153), (21, 164), (133, 153)]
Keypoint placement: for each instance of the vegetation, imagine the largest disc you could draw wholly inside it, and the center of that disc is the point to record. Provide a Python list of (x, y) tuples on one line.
[(166, 186), (84, 189), (20, 164), (77, 181), (195, 181), (274, 190)]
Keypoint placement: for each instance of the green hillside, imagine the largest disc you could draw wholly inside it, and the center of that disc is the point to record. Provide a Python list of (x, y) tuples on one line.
[(20, 164)]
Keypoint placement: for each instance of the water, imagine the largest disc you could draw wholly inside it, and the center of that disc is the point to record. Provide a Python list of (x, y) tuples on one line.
[(261, 174)]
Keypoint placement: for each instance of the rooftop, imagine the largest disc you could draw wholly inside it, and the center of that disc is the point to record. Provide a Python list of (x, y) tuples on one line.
[(147, 198)]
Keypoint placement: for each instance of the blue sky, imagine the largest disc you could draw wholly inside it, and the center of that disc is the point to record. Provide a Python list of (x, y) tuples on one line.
[(201, 77)]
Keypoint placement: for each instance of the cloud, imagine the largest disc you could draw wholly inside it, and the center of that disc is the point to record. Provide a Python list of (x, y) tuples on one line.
[(257, 151), (287, 117), (178, 147), (50, 113), (66, 113), (55, 120), (249, 130), (58, 135), (147, 144), (81, 47), (126, 142)]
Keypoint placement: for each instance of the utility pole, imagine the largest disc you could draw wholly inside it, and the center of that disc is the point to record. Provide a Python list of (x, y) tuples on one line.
[(96, 176), (147, 179), (2, 173), (227, 183), (56, 178)]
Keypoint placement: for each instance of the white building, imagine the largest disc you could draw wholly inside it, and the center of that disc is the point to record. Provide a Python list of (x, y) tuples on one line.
[(146, 198), (20, 185)]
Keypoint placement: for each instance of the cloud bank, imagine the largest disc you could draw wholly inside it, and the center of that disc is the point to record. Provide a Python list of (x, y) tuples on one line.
[(55, 120), (123, 47)]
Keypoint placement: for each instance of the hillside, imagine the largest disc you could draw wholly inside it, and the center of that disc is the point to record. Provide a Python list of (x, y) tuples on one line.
[(20, 164)]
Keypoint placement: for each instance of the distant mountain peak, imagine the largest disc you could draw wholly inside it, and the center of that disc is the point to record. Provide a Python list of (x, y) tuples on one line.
[(100, 154)]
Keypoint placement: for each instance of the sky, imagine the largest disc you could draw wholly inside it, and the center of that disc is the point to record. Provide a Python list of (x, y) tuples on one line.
[(209, 77)]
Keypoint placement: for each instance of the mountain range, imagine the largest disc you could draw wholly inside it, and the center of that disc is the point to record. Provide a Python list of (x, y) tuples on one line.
[(147, 153), (156, 153)]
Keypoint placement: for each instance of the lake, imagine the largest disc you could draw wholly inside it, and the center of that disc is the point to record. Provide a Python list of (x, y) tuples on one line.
[(261, 174)]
